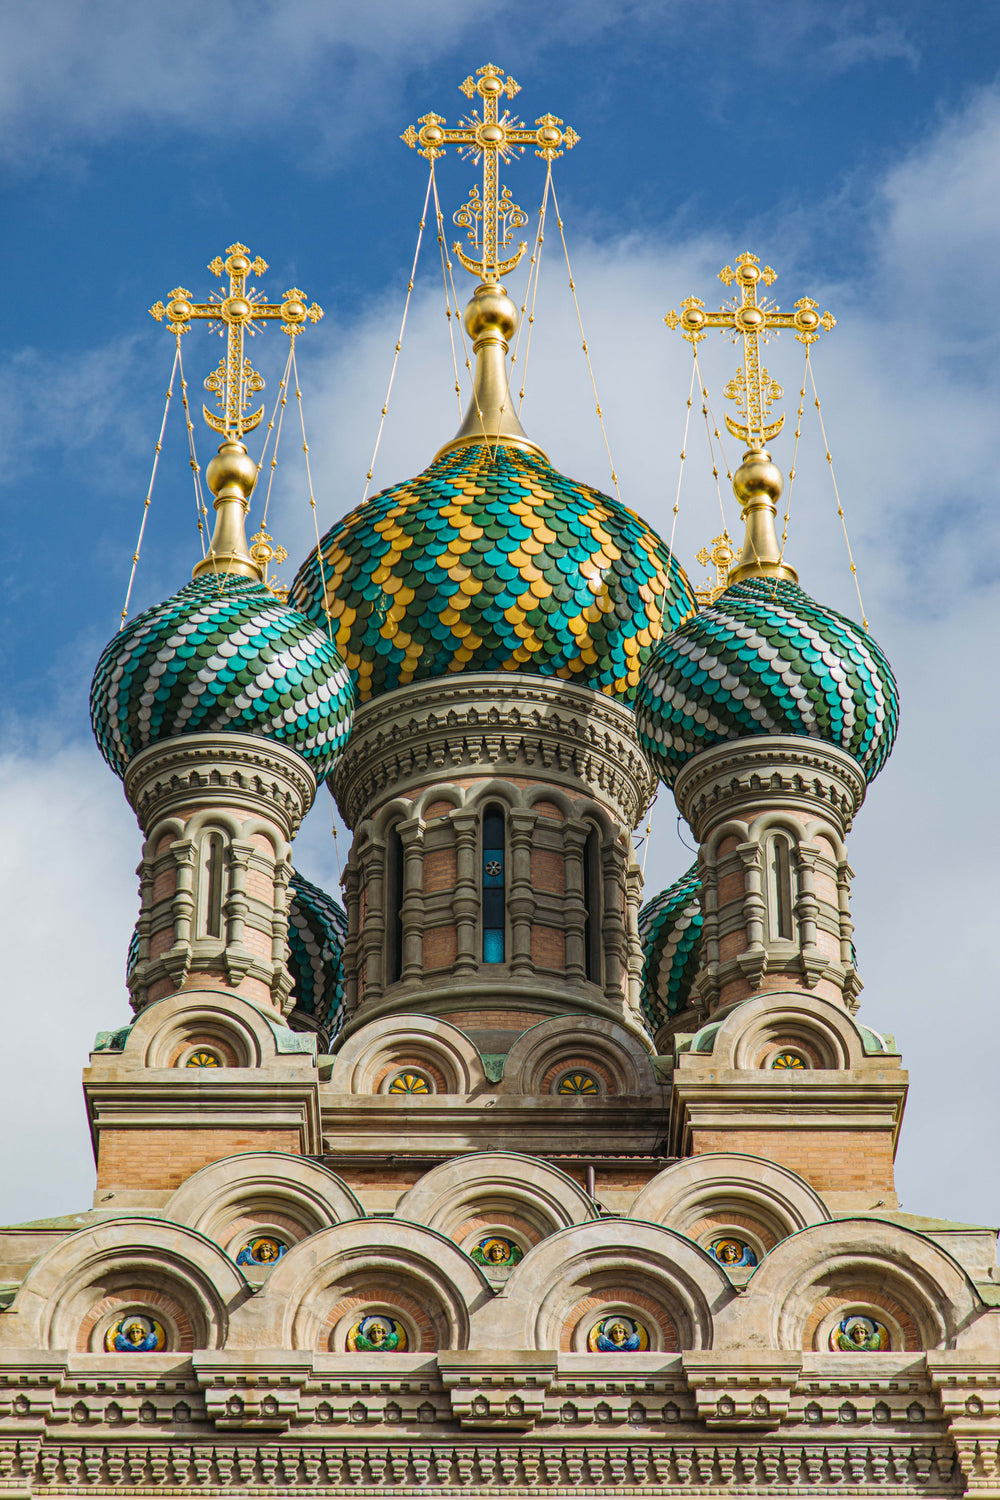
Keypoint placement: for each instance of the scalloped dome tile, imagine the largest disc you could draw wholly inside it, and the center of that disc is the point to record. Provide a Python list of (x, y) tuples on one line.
[(493, 561), (670, 934), (317, 931), (222, 654), (765, 658)]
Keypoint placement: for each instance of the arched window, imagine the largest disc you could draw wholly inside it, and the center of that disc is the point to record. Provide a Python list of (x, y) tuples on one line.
[(211, 877), (593, 887), (393, 906), (781, 887), (494, 887)]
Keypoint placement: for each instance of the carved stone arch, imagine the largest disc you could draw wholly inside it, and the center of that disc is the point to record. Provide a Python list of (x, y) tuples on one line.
[(290, 1196), (439, 792), (412, 1040), (490, 1191), (774, 820), (171, 1273), (565, 1283), (495, 789), (853, 1264), (192, 1017), (325, 1282), (397, 810), (724, 1192), (617, 1057), (554, 794), (820, 1030)]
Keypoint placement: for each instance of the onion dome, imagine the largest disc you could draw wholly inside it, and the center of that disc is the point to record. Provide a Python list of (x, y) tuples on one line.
[(764, 658), (493, 561), (225, 653), (317, 931), (670, 934)]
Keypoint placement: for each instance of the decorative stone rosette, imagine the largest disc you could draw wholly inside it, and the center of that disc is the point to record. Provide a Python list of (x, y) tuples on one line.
[(492, 561), (222, 654), (670, 933), (765, 659)]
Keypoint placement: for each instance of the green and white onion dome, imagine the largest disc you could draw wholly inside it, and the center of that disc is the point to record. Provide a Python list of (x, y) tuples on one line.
[(222, 654), (766, 659), (670, 934), (317, 932)]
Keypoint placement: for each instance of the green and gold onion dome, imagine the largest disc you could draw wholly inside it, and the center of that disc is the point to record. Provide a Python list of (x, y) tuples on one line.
[(765, 659), (223, 654), (317, 932), (670, 934), (493, 561)]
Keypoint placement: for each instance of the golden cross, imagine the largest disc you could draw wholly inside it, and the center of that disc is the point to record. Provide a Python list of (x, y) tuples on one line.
[(489, 217), (720, 553), (236, 312), (754, 319)]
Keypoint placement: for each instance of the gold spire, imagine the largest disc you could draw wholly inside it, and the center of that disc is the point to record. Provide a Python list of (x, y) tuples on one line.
[(490, 321), (490, 216), (758, 482), (234, 312)]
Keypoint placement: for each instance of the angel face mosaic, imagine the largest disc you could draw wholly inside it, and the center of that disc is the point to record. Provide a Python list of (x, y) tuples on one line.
[(317, 931), (731, 1252), (377, 1334), (490, 561), (618, 1335), (262, 1250), (135, 1333), (495, 1251), (859, 1334), (766, 659), (670, 933), (221, 654)]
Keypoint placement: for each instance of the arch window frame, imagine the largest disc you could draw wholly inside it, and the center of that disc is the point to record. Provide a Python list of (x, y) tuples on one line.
[(213, 883), (493, 883), (781, 884)]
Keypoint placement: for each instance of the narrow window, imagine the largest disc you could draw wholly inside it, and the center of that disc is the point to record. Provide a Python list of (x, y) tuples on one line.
[(394, 906), (781, 889), (494, 887), (214, 861), (592, 889)]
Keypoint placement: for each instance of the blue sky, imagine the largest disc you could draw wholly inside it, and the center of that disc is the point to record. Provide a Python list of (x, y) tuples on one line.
[(852, 146)]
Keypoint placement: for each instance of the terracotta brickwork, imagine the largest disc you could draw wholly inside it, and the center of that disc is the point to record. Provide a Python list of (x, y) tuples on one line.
[(867, 1296), (141, 1297), (167, 1157), (829, 1160), (440, 870), (482, 1224), (440, 947), (703, 1228), (376, 1296), (548, 871), (575, 1064), (548, 948)]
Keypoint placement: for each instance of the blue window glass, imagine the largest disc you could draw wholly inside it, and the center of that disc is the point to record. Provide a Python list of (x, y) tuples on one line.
[(494, 887)]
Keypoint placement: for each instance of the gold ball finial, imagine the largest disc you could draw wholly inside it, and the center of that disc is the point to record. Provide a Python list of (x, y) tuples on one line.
[(757, 475), (232, 468), (490, 310)]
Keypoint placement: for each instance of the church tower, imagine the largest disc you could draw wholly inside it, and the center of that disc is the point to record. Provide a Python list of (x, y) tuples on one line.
[(502, 1174)]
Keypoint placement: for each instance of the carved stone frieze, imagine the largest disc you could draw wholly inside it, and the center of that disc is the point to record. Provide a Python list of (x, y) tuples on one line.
[(546, 729)]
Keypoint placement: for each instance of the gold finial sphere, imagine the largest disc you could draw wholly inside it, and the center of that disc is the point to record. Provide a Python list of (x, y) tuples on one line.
[(807, 319), (549, 136), (750, 318), (757, 475), (238, 265), (748, 274), (232, 468), (293, 311), (490, 309), (491, 85), (490, 135), (431, 135), (179, 310), (236, 309)]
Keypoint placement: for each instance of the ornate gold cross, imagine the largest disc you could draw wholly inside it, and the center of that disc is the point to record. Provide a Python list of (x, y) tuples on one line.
[(720, 553), (754, 319), (491, 216), (237, 312)]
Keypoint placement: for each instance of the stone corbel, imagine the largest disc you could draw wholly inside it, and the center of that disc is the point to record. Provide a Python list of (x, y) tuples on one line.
[(264, 1396), (969, 1389), (736, 1390), (497, 1394)]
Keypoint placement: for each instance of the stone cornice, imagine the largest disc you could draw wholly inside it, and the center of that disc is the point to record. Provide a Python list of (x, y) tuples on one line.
[(750, 774), (220, 770), (515, 725)]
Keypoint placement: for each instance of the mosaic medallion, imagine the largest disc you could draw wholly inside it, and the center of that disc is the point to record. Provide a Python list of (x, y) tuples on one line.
[(730, 1252), (492, 561), (203, 1059), (496, 1251), (262, 1250), (787, 1060), (410, 1083), (859, 1333), (578, 1083), (377, 1334), (670, 934), (765, 658), (618, 1335), (135, 1333), (222, 654)]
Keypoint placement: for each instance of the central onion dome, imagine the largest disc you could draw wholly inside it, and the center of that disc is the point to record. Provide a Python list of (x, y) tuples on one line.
[(765, 659), (224, 654), (493, 561)]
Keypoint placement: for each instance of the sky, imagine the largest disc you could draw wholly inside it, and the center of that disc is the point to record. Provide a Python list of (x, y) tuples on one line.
[(852, 146)]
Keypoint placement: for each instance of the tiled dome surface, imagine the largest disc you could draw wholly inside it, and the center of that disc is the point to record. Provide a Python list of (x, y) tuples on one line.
[(670, 933), (766, 659), (222, 654), (317, 931), (488, 561)]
